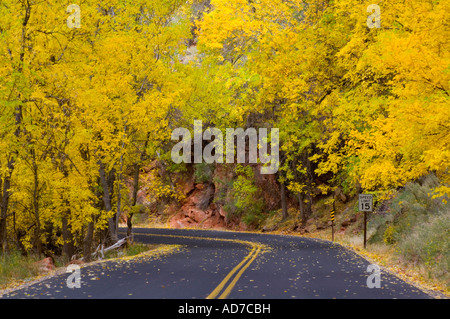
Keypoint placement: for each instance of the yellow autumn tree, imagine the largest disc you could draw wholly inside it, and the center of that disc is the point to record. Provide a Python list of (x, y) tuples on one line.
[(355, 105), (398, 79), (81, 104)]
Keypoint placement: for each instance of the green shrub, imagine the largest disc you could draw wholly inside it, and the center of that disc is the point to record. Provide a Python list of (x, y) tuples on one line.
[(242, 198), (389, 235), (203, 172), (412, 206), (429, 245), (418, 226)]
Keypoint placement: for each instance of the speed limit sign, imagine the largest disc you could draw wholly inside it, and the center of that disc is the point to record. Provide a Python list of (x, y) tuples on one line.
[(365, 203)]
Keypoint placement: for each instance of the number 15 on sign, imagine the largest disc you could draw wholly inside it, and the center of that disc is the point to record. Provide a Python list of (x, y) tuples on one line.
[(365, 203)]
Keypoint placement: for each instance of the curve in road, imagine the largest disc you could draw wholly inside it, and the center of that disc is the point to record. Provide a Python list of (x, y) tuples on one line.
[(236, 265)]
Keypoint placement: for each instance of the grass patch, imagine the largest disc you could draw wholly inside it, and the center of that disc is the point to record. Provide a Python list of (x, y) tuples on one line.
[(417, 227), (129, 251), (15, 267)]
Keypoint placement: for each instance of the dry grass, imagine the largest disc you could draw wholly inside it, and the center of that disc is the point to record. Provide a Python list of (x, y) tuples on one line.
[(14, 266)]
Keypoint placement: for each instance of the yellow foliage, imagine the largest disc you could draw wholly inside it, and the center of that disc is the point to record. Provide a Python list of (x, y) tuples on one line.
[(80, 108)]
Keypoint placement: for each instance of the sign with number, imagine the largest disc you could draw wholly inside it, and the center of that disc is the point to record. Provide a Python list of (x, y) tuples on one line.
[(365, 203)]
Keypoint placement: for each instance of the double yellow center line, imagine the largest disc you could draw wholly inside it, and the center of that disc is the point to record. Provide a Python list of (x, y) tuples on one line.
[(240, 268), (235, 273)]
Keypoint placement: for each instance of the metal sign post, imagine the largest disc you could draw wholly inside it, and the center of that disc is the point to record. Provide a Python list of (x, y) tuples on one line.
[(365, 205), (332, 225), (332, 217)]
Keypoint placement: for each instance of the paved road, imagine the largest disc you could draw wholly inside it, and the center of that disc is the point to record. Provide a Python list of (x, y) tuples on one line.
[(218, 265)]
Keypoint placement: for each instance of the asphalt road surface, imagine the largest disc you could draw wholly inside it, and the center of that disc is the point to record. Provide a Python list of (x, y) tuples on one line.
[(231, 265)]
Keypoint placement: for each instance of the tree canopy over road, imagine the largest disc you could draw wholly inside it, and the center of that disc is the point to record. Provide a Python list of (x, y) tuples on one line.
[(82, 109)]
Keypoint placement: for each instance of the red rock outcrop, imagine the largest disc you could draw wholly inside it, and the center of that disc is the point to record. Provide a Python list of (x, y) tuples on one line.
[(45, 265), (199, 211), (204, 203)]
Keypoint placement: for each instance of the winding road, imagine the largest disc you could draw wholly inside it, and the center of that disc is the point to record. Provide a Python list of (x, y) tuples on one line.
[(229, 265)]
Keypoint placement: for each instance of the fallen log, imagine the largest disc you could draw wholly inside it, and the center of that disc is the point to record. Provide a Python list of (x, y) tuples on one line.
[(99, 253), (118, 244)]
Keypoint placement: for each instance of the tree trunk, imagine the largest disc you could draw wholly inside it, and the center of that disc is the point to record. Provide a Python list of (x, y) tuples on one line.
[(306, 210), (88, 241), (68, 247), (309, 182), (18, 117), (112, 233), (36, 207), (282, 187), (137, 167), (4, 206), (300, 197), (134, 198), (301, 205), (283, 200)]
